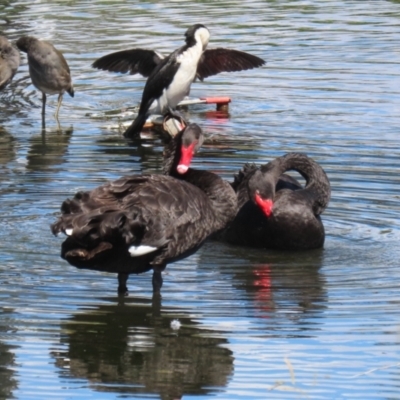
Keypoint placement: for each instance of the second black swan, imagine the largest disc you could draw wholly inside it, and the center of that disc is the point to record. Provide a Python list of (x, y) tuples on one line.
[(143, 222), (275, 211)]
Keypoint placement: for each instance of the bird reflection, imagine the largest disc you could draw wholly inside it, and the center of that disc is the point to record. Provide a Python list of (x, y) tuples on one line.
[(145, 153), (48, 148), (7, 147), (8, 383), (263, 284), (280, 287), (289, 283), (132, 348)]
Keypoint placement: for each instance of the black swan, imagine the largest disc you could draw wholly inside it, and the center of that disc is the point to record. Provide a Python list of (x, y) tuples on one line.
[(48, 69), (144, 222), (9, 62), (169, 78), (275, 211)]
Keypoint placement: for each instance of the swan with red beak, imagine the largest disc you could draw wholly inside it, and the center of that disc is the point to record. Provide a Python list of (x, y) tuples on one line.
[(275, 210)]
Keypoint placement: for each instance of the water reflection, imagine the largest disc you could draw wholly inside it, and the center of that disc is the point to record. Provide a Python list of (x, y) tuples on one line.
[(147, 152), (130, 347), (48, 149), (8, 383), (283, 286), (330, 89), (218, 143), (7, 147)]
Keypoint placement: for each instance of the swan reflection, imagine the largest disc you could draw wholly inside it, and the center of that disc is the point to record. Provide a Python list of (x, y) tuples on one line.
[(135, 347)]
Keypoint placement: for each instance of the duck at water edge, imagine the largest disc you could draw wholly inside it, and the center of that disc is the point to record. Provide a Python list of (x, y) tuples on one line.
[(48, 69)]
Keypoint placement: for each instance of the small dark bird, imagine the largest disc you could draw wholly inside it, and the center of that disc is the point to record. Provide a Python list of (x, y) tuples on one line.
[(9, 62), (169, 78), (275, 211), (143, 222), (48, 69)]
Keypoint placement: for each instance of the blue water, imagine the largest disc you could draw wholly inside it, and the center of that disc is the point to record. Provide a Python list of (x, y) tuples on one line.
[(233, 323)]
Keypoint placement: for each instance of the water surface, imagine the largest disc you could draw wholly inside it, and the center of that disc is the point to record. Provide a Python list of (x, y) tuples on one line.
[(233, 323)]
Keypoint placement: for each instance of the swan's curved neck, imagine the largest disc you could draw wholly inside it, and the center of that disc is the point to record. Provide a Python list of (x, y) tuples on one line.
[(172, 154), (317, 182)]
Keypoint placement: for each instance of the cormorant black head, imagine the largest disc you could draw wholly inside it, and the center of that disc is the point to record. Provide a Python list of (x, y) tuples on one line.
[(197, 33)]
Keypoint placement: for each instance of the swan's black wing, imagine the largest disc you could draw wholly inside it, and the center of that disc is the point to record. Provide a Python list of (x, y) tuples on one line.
[(176, 216), (287, 182), (214, 61), (154, 210), (134, 61)]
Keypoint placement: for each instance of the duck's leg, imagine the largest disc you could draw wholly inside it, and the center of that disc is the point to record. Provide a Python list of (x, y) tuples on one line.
[(157, 278), (178, 115), (60, 97), (43, 104), (122, 279)]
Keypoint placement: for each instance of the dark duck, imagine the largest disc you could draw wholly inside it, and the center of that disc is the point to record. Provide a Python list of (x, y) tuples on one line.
[(48, 69), (143, 222), (275, 211), (9, 62), (169, 78)]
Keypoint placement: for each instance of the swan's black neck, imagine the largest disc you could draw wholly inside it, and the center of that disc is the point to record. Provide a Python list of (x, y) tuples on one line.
[(219, 192), (181, 149), (317, 182), (172, 154)]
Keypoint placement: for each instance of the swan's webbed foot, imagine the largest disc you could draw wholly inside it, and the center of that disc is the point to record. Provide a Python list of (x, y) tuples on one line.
[(122, 288)]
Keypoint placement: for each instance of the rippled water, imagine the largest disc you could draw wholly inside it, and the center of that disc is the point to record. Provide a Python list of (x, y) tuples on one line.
[(233, 323)]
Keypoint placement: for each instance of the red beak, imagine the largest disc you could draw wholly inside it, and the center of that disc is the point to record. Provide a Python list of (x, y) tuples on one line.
[(186, 158), (265, 205)]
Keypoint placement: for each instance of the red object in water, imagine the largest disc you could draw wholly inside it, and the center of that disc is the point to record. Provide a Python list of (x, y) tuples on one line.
[(221, 102), (263, 283), (216, 100)]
